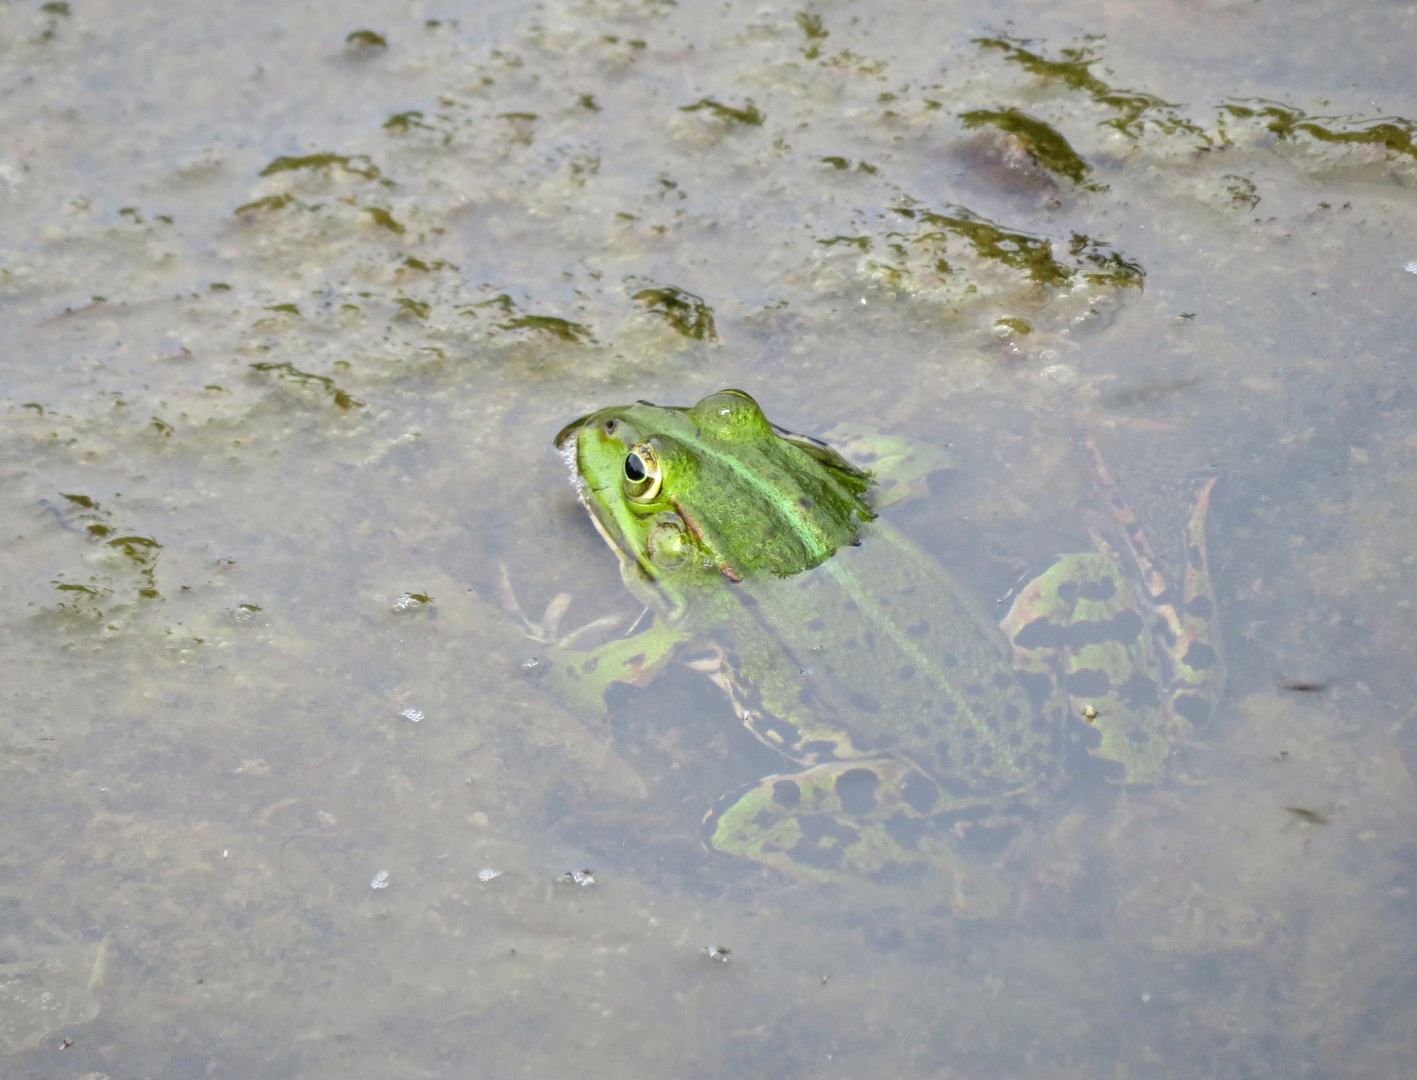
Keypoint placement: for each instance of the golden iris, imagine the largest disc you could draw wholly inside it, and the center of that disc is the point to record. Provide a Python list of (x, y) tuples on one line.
[(642, 476)]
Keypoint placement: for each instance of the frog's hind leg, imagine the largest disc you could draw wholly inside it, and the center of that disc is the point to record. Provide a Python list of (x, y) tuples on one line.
[(878, 819), (1137, 541), (1189, 630), (1196, 654)]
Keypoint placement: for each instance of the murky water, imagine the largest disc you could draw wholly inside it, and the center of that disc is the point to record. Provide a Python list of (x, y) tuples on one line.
[(294, 301)]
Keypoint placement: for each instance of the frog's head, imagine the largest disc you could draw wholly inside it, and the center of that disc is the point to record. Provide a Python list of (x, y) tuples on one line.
[(685, 494)]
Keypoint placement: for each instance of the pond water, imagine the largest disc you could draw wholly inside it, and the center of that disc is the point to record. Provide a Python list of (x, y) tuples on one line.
[(295, 299)]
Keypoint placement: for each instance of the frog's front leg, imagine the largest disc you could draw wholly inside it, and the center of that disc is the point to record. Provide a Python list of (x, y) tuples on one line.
[(585, 675), (547, 630), (582, 676)]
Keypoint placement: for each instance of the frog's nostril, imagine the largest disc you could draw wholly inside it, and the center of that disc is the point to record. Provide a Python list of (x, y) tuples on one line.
[(610, 425)]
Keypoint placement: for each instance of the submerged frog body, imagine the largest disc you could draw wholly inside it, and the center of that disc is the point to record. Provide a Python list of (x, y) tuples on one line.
[(907, 719)]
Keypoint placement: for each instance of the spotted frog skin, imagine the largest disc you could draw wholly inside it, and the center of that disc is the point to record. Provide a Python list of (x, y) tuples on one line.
[(908, 722)]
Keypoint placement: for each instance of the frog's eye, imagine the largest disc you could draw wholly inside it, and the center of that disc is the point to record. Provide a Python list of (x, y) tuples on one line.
[(642, 477)]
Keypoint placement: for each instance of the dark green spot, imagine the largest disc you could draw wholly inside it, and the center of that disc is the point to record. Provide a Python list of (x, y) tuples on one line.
[(856, 790), (1199, 656), (863, 701)]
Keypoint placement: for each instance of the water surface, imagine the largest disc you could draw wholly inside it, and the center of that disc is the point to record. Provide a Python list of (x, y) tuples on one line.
[(294, 301)]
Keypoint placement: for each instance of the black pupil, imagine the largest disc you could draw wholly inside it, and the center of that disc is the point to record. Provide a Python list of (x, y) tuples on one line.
[(635, 468)]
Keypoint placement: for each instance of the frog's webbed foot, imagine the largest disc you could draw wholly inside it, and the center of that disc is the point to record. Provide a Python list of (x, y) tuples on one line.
[(583, 675), (546, 631)]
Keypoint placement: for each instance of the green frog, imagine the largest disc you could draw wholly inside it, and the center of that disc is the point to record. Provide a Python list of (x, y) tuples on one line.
[(911, 726)]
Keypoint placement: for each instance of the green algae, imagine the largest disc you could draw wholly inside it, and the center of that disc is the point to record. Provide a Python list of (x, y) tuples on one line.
[(1019, 250), (1136, 108), (1104, 267), (385, 220), (269, 202), (1242, 191), (365, 39), (315, 162), (811, 24), (749, 114), (563, 329), (405, 121), (286, 370), (412, 308), (1394, 133), (1043, 143), (685, 313)]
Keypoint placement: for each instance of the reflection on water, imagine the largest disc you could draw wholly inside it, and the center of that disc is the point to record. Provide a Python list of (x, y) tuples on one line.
[(294, 309)]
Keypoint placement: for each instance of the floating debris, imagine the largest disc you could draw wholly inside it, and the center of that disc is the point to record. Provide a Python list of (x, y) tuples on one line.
[(381, 880), (720, 954), (486, 874), (410, 602), (583, 878), (363, 40), (750, 114), (244, 613), (412, 714)]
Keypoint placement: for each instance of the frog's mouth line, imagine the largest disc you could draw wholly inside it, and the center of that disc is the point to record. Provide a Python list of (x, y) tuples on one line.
[(631, 567), (614, 539), (609, 530)]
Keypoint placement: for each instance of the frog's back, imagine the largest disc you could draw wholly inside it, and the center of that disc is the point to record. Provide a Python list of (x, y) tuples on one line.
[(880, 645)]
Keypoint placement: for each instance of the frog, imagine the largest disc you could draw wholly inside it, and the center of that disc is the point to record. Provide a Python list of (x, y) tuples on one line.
[(916, 732)]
